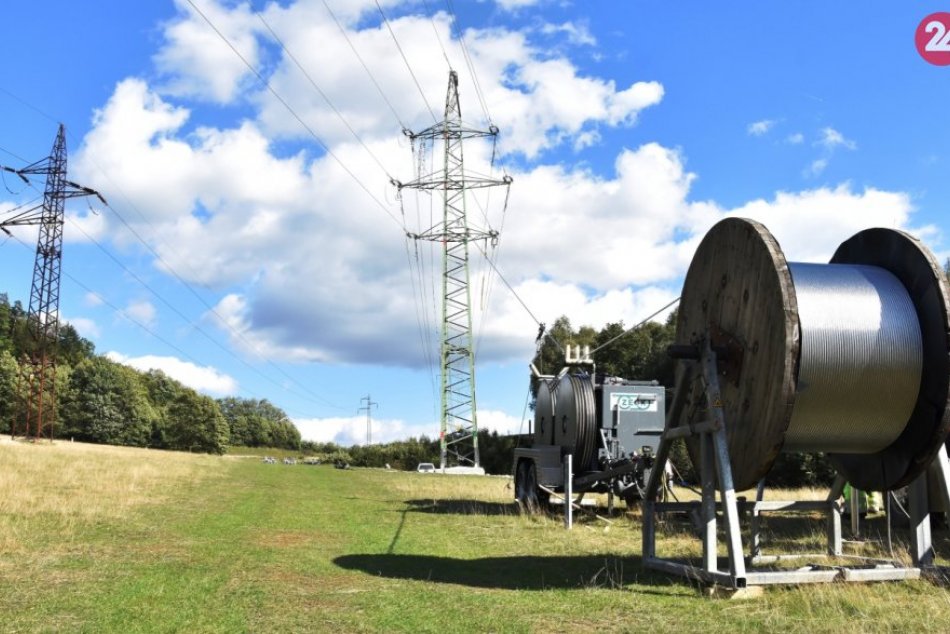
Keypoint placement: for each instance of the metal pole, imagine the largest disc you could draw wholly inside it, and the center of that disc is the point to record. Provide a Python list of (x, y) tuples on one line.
[(568, 492), (855, 511), (369, 423), (922, 546)]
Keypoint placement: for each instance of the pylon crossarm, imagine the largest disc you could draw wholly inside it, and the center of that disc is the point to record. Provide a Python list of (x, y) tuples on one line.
[(33, 216)]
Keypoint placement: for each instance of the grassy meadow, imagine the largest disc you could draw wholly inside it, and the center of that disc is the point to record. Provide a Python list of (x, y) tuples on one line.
[(106, 539)]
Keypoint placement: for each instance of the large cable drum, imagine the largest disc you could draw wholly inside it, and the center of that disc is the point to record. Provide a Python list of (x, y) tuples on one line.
[(575, 428), (544, 414), (851, 358)]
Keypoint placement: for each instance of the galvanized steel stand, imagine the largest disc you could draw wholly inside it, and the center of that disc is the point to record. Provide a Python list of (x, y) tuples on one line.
[(716, 478)]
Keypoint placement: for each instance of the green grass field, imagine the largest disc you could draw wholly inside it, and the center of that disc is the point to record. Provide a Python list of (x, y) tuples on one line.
[(102, 539)]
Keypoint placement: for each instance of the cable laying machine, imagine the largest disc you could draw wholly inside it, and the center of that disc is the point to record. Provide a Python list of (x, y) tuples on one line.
[(850, 358), (605, 430)]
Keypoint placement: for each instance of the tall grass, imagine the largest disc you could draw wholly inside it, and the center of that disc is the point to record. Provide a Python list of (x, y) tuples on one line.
[(106, 539)]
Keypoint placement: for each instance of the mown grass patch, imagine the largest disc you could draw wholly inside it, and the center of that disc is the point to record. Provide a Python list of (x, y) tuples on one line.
[(142, 541)]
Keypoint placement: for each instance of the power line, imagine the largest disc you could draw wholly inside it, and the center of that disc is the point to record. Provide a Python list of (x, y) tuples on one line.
[(468, 60), (365, 67), (408, 66), (346, 123), (121, 312), (435, 30), (184, 283), (632, 328), (536, 321), (294, 114), (124, 314), (184, 318)]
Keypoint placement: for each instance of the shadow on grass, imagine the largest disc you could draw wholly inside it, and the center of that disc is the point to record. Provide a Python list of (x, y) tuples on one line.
[(462, 507), (510, 573)]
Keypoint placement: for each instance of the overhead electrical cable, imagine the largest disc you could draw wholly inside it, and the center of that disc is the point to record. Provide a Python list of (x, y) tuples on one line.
[(184, 317), (250, 345), (296, 116), (326, 98), (635, 327), (191, 289), (404, 59), (460, 36), (124, 314), (372, 77), (435, 30)]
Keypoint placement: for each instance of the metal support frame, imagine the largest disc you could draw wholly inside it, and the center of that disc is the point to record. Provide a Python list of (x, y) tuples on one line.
[(716, 479), (458, 436), (370, 404), (37, 381)]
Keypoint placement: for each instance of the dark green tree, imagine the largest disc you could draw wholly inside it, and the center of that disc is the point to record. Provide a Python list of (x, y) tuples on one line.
[(105, 402), (258, 423), (9, 372), (73, 348), (195, 423)]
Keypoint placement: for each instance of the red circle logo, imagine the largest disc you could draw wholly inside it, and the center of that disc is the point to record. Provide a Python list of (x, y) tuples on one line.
[(933, 38)]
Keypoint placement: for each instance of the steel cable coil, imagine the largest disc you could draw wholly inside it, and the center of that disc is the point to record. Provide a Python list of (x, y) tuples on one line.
[(850, 358)]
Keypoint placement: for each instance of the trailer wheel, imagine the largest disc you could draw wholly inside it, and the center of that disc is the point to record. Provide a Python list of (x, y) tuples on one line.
[(530, 498)]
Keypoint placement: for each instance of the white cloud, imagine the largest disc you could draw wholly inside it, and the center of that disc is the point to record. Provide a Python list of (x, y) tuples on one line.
[(142, 312), (839, 211), (501, 422), (348, 431), (796, 138), (83, 227), (759, 128), (351, 430), (313, 270), (516, 5), (86, 327), (816, 167), (201, 378), (577, 34), (538, 96), (198, 61), (831, 139), (92, 299)]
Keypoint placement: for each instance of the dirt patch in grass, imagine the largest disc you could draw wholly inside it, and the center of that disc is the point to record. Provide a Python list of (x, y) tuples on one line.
[(284, 539)]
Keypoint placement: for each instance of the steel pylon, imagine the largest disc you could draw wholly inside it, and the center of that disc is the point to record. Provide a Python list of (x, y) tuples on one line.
[(458, 436), (37, 386)]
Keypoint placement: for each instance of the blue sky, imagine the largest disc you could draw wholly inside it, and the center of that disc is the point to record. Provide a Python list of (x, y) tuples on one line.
[(240, 257)]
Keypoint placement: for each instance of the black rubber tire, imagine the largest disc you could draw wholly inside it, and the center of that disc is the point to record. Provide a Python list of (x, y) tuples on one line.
[(530, 498), (543, 497)]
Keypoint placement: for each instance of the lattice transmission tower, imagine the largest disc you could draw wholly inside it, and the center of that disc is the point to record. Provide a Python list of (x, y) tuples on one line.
[(458, 436), (37, 383)]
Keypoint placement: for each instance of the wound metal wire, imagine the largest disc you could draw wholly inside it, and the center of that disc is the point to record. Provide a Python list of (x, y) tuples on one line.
[(861, 359)]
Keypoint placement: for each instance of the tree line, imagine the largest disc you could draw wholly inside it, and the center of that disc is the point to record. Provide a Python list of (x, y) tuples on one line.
[(101, 401), (496, 452)]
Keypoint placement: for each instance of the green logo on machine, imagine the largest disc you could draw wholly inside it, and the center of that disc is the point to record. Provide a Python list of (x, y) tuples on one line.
[(633, 402)]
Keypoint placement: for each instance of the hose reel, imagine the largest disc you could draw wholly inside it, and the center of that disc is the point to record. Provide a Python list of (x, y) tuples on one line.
[(565, 415), (850, 358)]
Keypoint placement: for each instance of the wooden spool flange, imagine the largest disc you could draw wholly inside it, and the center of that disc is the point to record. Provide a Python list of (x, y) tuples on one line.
[(738, 289)]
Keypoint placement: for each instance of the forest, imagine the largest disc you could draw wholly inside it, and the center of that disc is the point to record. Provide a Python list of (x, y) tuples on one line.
[(101, 401)]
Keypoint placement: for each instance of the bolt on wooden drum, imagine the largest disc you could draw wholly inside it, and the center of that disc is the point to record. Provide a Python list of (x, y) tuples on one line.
[(850, 358)]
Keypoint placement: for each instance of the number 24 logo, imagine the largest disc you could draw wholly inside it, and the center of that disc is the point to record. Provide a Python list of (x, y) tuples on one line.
[(933, 38), (940, 42)]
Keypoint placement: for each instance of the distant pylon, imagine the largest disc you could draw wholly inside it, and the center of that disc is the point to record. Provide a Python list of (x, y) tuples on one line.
[(369, 421), (458, 436), (38, 370)]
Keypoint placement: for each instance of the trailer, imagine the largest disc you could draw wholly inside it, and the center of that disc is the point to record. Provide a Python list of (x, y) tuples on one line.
[(610, 427)]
